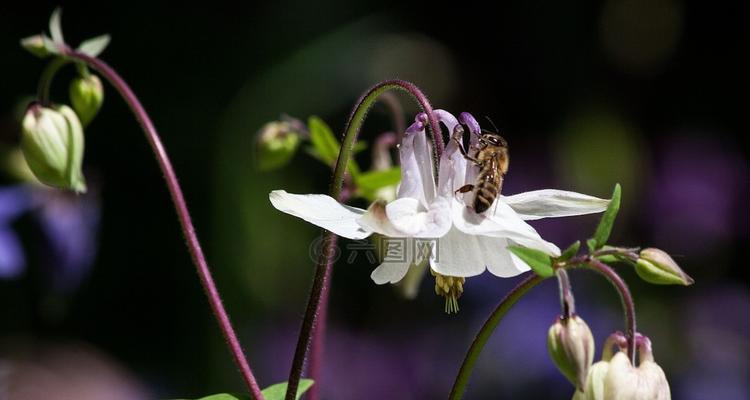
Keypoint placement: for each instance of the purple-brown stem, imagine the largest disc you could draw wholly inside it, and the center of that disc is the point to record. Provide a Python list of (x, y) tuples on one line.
[(186, 223), (321, 281), (625, 297)]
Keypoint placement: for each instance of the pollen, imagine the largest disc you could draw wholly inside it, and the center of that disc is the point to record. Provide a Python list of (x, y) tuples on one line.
[(450, 287)]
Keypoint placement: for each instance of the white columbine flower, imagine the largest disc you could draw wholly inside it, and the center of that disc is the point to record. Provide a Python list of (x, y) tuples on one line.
[(468, 243)]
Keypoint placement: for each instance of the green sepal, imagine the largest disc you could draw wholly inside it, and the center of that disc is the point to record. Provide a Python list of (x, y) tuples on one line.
[(601, 235), (570, 252), (591, 244), (539, 261), (608, 258), (94, 46)]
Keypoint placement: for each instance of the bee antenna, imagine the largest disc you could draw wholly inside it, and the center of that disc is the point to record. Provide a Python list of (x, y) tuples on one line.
[(492, 123)]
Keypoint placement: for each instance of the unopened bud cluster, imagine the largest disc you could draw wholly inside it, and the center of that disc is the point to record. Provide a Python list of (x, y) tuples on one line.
[(618, 379)]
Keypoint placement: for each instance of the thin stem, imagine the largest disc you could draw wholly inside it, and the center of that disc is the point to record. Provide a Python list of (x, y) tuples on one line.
[(462, 379), (321, 280), (625, 297), (45, 81), (183, 215), (567, 301)]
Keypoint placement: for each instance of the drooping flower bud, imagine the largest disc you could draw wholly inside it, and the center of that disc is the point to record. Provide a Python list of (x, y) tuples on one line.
[(571, 346), (656, 266), (86, 96), (618, 379), (277, 143), (52, 144), (594, 389), (624, 381)]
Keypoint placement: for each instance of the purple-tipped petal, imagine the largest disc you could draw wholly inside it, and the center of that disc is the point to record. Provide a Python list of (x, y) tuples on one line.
[(469, 120)]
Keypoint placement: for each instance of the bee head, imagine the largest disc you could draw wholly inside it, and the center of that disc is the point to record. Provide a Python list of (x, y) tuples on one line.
[(493, 139)]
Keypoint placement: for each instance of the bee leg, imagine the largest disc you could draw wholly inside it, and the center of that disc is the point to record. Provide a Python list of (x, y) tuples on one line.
[(464, 153), (465, 189)]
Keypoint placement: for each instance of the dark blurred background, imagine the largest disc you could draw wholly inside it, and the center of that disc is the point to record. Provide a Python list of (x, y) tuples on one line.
[(651, 94)]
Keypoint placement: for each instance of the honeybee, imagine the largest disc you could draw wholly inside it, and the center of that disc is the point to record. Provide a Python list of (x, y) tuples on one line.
[(491, 157)]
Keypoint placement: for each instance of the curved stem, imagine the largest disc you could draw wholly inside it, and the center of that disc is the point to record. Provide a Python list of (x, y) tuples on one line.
[(45, 81), (321, 281), (182, 213), (462, 379), (625, 297)]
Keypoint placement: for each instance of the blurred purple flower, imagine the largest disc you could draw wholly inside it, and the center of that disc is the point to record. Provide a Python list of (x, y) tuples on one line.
[(14, 201), (718, 354), (696, 188), (68, 223)]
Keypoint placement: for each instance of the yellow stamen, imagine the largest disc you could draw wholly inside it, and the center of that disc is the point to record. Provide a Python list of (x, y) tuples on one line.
[(450, 287)]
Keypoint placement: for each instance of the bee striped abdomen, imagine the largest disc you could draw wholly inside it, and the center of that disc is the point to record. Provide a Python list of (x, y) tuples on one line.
[(487, 188)]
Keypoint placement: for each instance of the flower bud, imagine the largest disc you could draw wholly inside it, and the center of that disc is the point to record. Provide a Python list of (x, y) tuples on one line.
[(277, 143), (86, 96), (52, 143), (656, 266), (624, 381), (618, 379), (37, 45), (594, 389), (571, 346)]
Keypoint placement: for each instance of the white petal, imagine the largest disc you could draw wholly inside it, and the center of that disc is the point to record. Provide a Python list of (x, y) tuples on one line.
[(406, 217), (453, 166), (417, 176), (390, 272), (460, 254), (554, 203), (507, 264), (376, 220), (323, 211), (502, 222)]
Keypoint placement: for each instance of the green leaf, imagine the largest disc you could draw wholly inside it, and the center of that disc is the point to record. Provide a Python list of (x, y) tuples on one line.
[(374, 180), (601, 235), (570, 252), (94, 46), (323, 141), (278, 391), (55, 26), (325, 147), (539, 261), (369, 183), (591, 244)]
